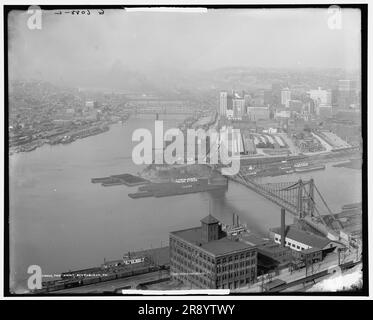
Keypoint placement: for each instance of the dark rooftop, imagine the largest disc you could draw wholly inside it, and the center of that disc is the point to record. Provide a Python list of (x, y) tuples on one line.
[(311, 250), (224, 246), (192, 235), (216, 247), (272, 248), (254, 239), (209, 219)]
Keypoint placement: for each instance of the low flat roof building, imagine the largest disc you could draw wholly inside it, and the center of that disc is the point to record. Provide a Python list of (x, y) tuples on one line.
[(271, 255), (204, 257), (299, 240)]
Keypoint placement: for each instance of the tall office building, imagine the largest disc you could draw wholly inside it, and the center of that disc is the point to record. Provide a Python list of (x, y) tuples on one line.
[(238, 107), (322, 97), (248, 100), (226, 104), (285, 97), (223, 103), (310, 106)]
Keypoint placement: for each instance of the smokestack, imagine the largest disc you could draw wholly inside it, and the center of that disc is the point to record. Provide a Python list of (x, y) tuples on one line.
[(238, 221), (234, 219), (282, 227)]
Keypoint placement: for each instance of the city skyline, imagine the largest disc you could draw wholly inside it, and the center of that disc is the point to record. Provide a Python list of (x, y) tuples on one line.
[(78, 48)]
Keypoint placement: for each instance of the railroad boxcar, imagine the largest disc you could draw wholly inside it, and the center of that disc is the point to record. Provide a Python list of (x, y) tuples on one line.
[(57, 286), (124, 274), (90, 280), (108, 277)]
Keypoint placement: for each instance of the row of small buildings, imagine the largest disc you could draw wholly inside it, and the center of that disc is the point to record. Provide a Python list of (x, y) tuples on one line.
[(208, 257)]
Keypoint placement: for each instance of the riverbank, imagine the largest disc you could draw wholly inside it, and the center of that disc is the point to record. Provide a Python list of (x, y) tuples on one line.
[(63, 136)]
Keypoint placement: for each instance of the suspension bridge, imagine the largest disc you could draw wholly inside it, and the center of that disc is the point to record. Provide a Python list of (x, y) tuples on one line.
[(300, 198)]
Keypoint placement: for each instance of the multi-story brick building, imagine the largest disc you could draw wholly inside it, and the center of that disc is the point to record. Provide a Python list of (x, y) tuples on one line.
[(204, 257)]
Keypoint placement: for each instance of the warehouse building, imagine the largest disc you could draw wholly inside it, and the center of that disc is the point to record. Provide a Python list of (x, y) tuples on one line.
[(300, 240), (271, 255), (204, 257), (305, 246)]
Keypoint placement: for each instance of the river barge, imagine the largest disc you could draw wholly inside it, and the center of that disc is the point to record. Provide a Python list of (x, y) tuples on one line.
[(180, 186), (120, 179), (310, 168)]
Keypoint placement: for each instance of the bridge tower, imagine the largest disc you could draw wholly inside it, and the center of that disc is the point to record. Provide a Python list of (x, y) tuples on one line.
[(300, 199), (311, 202), (305, 198)]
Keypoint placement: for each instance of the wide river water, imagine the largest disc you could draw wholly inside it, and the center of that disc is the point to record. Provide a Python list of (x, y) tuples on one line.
[(60, 221)]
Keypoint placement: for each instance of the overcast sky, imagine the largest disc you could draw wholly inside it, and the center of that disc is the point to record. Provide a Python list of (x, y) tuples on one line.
[(71, 46)]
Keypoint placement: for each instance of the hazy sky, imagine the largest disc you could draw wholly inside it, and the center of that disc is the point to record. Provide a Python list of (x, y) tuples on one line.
[(73, 46)]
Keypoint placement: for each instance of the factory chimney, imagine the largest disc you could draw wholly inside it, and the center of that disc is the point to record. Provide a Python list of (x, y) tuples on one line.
[(282, 227)]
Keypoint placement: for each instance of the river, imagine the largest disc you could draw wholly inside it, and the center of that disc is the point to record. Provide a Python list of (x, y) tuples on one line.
[(60, 221)]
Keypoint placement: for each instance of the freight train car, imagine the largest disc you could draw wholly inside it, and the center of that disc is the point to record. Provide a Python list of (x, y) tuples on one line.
[(90, 280), (56, 287), (73, 284), (108, 277)]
